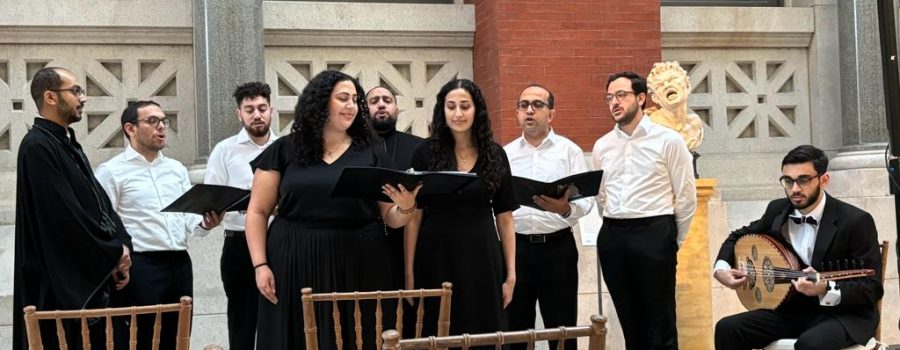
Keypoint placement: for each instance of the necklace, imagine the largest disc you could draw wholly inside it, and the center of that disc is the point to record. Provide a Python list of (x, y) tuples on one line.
[(329, 153)]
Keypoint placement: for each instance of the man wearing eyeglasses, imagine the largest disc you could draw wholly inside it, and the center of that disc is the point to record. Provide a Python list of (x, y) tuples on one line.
[(72, 250), (140, 182), (546, 251), (819, 229), (647, 199)]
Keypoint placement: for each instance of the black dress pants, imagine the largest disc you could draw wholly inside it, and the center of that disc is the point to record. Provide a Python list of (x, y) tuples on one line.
[(159, 278), (756, 329), (239, 281), (638, 258), (546, 273)]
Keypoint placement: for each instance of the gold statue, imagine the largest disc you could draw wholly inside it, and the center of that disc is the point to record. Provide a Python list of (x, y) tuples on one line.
[(669, 87)]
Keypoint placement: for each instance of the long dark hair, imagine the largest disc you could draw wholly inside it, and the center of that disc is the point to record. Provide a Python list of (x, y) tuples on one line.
[(442, 145), (311, 114)]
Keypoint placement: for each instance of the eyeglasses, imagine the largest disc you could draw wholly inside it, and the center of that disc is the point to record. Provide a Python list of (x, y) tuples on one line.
[(618, 96), (154, 121), (75, 90), (787, 182), (536, 104)]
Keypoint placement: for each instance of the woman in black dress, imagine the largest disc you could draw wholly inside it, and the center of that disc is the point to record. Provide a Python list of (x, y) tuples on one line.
[(454, 235), (329, 244)]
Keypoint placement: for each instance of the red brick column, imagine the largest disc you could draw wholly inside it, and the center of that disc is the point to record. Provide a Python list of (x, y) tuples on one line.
[(569, 46)]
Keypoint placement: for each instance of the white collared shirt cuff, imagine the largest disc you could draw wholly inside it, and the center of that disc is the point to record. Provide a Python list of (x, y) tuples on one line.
[(721, 265), (832, 297)]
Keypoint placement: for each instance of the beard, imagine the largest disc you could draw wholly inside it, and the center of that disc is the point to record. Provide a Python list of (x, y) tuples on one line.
[(257, 130), (810, 200), (628, 116), (384, 125), (70, 112)]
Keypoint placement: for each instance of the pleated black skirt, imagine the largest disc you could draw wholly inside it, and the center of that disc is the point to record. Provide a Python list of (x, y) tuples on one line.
[(327, 259)]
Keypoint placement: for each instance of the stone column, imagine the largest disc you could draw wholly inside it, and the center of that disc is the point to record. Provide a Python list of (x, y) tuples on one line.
[(228, 51), (862, 88), (693, 296), (858, 174)]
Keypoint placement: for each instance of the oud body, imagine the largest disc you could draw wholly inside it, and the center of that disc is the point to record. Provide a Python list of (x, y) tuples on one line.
[(770, 268)]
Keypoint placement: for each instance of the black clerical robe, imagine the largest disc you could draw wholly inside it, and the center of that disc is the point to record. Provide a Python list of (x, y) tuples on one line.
[(68, 236), (399, 147)]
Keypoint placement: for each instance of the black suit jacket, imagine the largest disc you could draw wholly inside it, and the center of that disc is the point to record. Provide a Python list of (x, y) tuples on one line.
[(845, 232)]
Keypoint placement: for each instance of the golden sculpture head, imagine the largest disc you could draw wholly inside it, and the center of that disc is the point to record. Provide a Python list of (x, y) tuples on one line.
[(669, 84)]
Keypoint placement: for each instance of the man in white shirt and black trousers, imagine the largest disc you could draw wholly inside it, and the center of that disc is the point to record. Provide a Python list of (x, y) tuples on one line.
[(140, 182), (647, 199), (229, 165), (546, 250)]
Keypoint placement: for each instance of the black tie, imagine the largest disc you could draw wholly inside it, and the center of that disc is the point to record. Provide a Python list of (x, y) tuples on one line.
[(804, 220)]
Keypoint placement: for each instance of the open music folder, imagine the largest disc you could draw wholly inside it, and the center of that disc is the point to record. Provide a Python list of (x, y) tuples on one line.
[(583, 185), (366, 182), (203, 198)]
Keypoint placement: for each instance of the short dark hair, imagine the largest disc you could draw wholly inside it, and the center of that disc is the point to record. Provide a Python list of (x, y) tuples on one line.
[(130, 114), (251, 90), (550, 99), (45, 79), (383, 87), (638, 83), (807, 153)]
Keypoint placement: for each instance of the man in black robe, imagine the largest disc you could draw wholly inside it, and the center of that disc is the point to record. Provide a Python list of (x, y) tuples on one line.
[(72, 251), (383, 114), (398, 146)]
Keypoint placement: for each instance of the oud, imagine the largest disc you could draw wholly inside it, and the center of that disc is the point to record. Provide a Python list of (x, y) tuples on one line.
[(770, 268)]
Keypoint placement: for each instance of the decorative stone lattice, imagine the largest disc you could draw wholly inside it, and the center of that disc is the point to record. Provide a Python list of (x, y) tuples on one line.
[(414, 75), (112, 75), (749, 100)]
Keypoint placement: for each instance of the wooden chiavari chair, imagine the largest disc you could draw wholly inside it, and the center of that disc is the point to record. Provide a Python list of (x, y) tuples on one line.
[(595, 332), (183, 337), (310, 328)]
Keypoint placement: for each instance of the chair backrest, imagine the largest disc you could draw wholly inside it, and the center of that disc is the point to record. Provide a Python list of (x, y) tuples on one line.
[(885, 249), (182, 338), (310, 329), (596, 332)]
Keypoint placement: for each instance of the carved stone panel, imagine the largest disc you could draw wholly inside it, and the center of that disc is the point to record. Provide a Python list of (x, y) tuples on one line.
[(112, 75), (414, 75), (750, 100)]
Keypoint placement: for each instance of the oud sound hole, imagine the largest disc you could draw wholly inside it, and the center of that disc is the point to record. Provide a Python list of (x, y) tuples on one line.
[(754, 252), (751, 274), (757, 294), (768, 275)]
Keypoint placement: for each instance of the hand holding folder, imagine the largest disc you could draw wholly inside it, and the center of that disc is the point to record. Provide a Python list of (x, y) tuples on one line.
[(366, 182), (203, 198), (581, 185)]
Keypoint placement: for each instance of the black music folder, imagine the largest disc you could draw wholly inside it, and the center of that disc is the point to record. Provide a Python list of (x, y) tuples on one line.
[(366, 182), (583, 185), (203, 198)]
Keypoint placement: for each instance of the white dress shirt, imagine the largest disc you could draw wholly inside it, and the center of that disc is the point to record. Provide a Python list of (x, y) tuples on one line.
[(139, 189), (229, 165), (555, 158), (646, 174), (803, 239)]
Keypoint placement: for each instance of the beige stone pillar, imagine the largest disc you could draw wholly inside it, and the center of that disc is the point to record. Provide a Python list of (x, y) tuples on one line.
[(693, 294)]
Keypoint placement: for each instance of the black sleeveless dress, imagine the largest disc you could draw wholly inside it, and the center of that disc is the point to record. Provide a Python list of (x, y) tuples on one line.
[(328, 244), (458, 242)]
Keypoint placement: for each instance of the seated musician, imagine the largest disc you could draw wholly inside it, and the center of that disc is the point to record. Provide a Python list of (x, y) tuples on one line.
[(819, 230)]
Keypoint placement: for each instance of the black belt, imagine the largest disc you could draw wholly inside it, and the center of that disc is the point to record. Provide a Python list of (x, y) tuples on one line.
[(231, 233), (636, 221), (543, 237)]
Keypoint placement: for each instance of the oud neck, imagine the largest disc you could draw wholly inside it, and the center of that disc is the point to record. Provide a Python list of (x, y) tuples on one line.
[(839, 275)]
